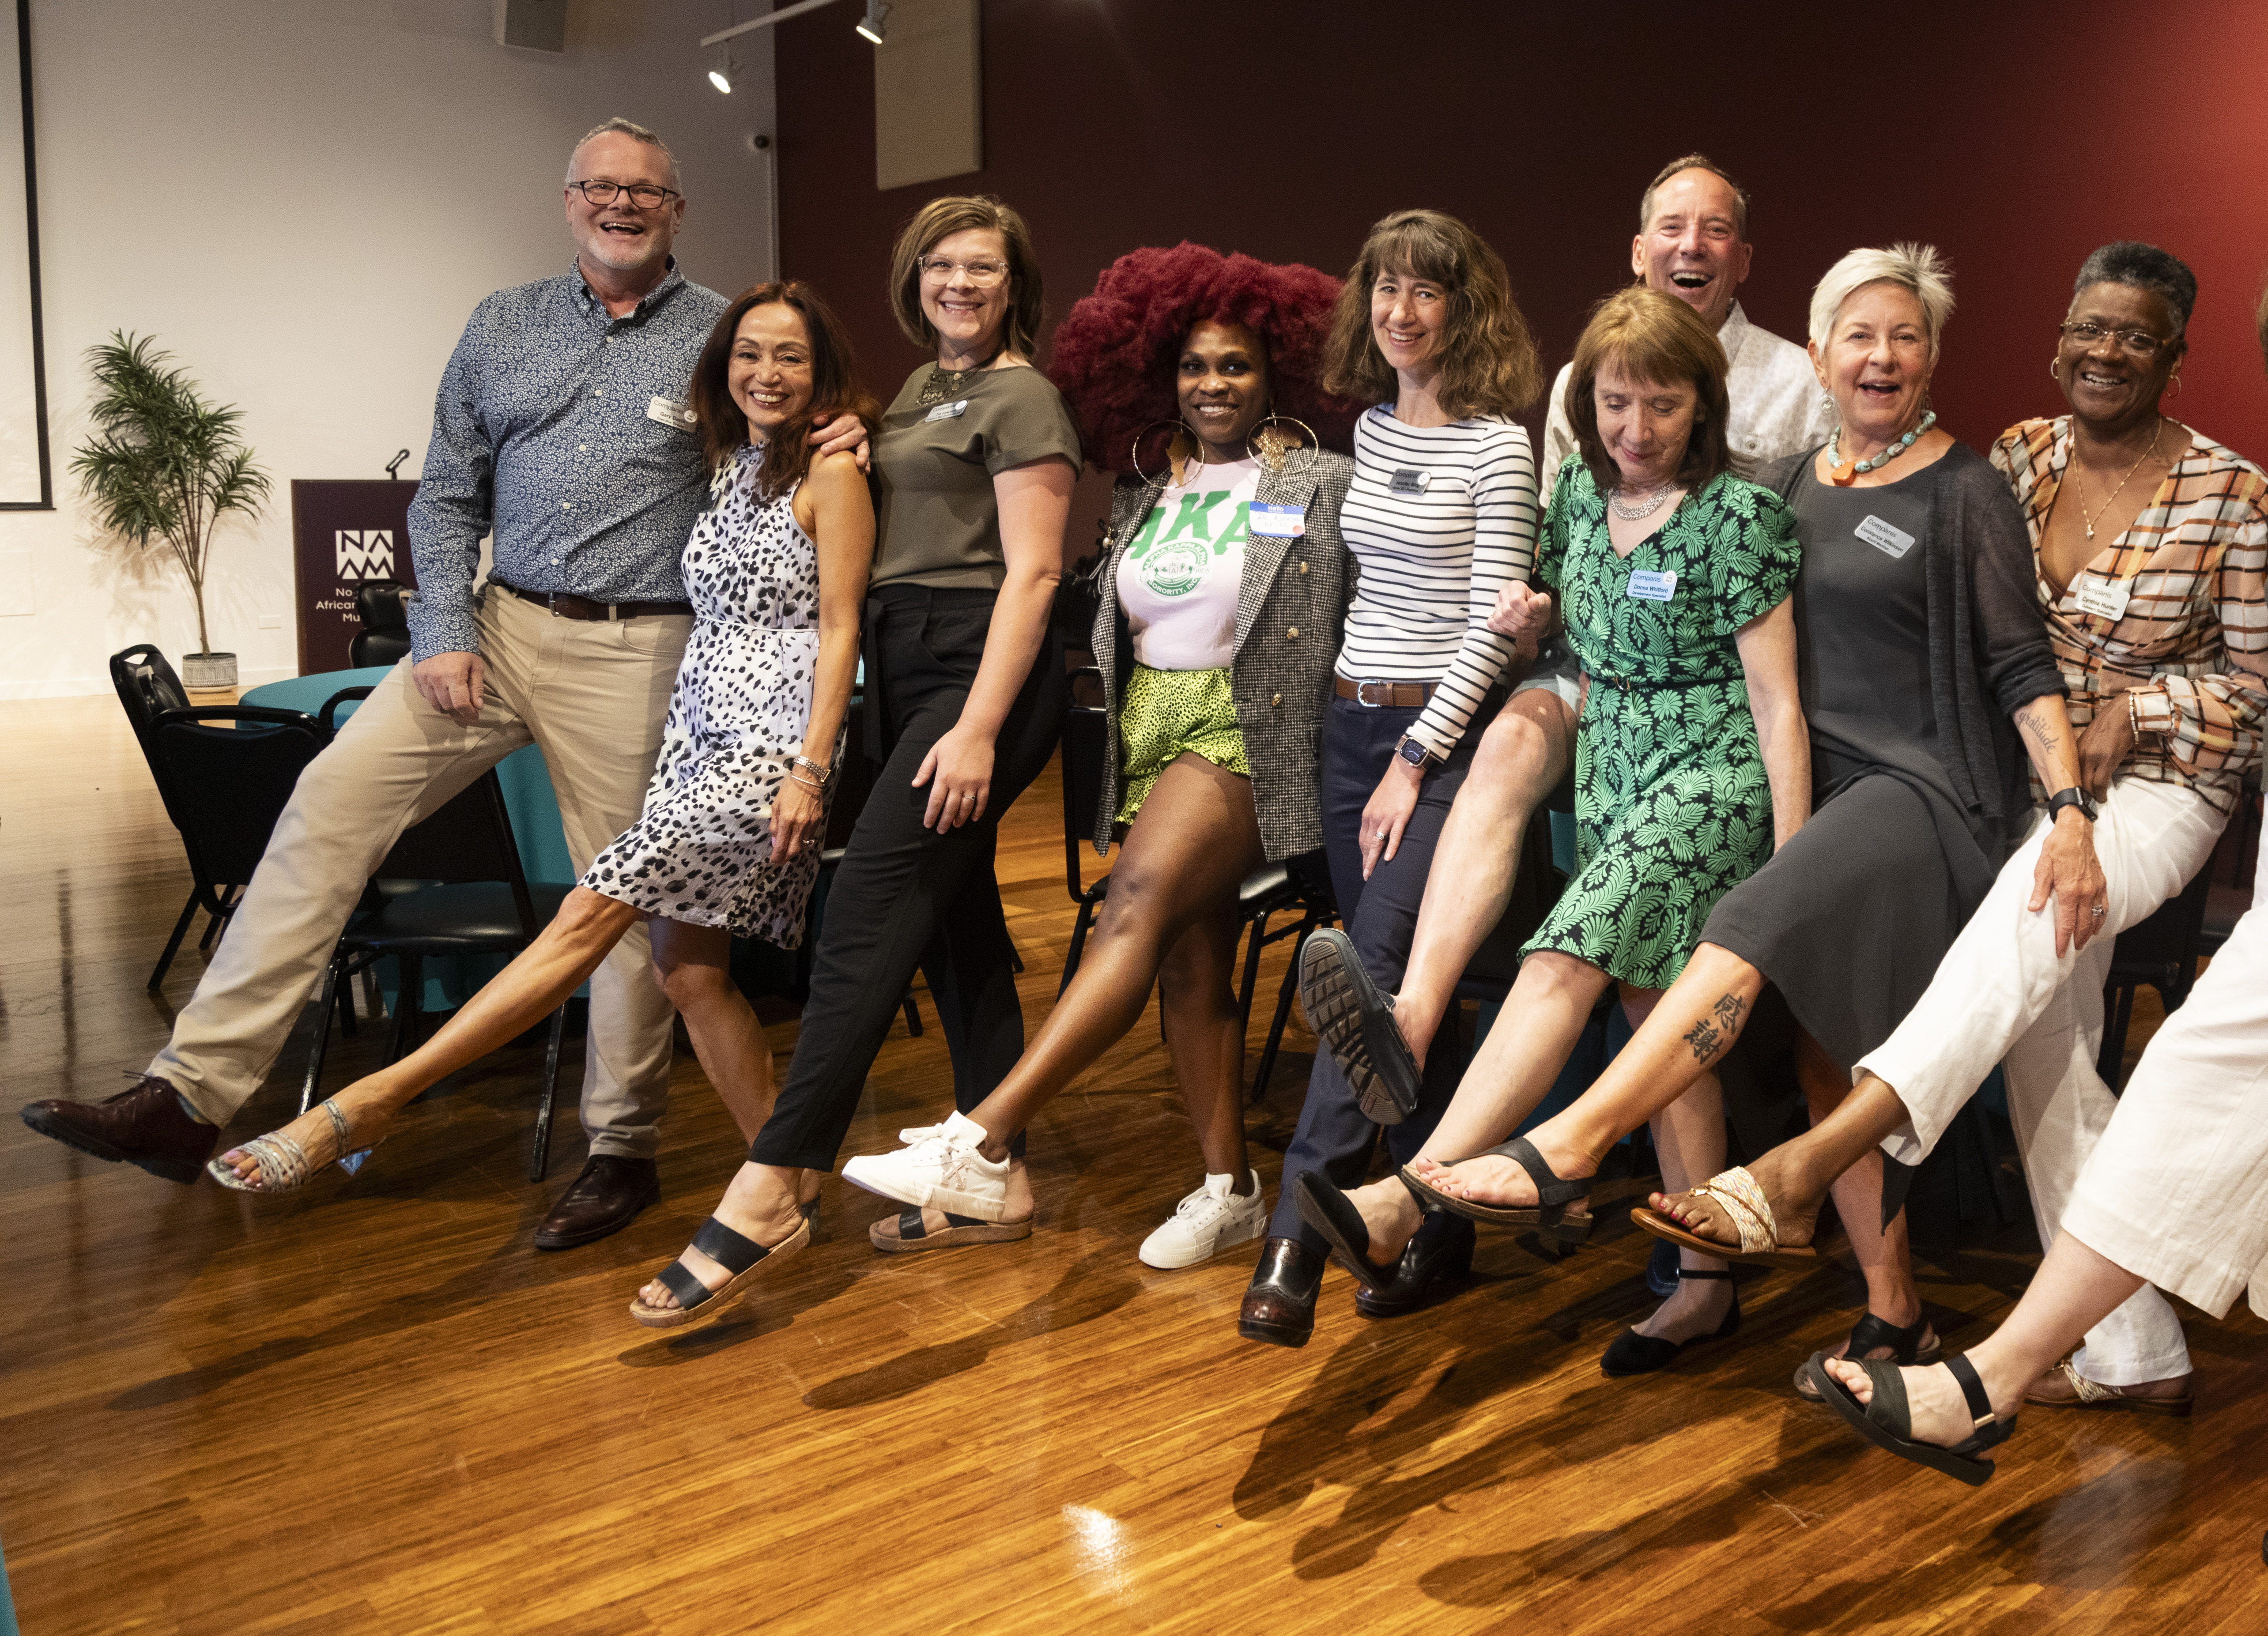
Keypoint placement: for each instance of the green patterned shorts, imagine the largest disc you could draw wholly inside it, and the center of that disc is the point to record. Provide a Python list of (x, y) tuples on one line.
[(1168, 711)]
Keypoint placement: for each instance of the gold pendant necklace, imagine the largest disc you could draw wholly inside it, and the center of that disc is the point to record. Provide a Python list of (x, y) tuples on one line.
[(2081, 472)]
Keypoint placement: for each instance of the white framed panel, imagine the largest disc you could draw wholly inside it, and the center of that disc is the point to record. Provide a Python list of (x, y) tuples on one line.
[(26, 480)]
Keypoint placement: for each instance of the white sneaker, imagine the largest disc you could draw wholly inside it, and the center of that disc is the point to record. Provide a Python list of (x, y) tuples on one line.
[(1208, 1221), (942, 1168)]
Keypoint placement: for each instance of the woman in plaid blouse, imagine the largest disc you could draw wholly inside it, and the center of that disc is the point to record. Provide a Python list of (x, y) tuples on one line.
[(2151, 541)]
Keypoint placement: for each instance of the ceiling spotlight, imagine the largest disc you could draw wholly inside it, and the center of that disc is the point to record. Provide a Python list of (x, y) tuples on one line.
[(721, 76), (872, 25)]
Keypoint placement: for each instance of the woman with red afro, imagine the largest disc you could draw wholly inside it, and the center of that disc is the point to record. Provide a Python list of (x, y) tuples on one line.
[(1222, 588)]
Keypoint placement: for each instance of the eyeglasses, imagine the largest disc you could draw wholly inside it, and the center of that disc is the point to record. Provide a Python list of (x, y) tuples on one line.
[(984, 275), (2138, 343), (643, 195)]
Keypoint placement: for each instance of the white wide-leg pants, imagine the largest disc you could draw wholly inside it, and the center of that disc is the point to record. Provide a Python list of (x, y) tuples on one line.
[(2002, 995)]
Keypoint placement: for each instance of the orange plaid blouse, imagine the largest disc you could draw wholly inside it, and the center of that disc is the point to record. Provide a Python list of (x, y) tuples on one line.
[(2193, 641)]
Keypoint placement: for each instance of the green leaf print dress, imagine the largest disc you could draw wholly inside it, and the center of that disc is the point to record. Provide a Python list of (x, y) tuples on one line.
[(1672, 806)]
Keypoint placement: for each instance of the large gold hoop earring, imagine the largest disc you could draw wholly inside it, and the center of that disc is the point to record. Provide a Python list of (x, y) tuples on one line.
[(1273, 450), (1180, 429), (2055, 370), (2174, 384)]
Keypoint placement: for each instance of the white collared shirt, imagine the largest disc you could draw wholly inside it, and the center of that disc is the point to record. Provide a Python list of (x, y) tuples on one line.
[(1777, 407)]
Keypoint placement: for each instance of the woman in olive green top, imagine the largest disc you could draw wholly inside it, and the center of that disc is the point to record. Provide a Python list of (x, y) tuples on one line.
[(965, 696)]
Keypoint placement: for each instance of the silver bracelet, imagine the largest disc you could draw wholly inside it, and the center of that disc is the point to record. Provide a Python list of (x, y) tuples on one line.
[(821, 773)]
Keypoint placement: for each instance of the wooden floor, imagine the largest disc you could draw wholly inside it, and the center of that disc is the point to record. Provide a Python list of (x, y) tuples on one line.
[(371, 1407)]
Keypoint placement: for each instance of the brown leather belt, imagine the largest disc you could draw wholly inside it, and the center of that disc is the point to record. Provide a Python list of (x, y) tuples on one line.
[(1380, 695), (564, 605)]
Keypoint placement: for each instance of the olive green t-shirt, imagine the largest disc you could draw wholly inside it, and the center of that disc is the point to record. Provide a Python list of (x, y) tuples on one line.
[(938, 524)]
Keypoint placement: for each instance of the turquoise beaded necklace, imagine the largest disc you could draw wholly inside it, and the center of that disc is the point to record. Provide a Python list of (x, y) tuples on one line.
[(1843, 472)]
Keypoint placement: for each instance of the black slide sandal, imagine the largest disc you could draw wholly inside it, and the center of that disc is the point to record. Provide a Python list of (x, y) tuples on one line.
[(739, 1255), (1553, 1194), (1332, 1213), (1887, 1421), (1906, 1349), (913, 1238)]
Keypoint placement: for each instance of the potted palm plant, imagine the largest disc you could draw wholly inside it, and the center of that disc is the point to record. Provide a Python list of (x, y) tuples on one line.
[(162, 469)]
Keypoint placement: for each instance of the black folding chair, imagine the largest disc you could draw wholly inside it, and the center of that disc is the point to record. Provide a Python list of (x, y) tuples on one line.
[(225, 786), (2162, 952), (384, 634), (472, 898), (1268, 891), (148, 687)]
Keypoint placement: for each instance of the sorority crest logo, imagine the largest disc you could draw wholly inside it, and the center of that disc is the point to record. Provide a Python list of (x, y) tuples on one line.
[(1176, 569), (365, 553)]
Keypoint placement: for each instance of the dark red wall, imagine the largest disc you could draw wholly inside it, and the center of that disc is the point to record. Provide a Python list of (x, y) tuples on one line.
[(2016, 138)]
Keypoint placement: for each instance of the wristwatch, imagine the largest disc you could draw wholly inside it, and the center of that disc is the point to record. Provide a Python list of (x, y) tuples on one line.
[(1411, 751), (2075, 796)]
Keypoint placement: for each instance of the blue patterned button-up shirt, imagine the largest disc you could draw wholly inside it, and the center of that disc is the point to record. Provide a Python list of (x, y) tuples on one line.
[(542, 436)]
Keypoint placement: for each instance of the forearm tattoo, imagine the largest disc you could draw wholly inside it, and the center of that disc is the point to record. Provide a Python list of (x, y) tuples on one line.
[(2035, 723), (1714, 1034)]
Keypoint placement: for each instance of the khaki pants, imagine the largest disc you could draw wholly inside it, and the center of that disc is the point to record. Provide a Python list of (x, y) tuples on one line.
[(2002, 995), (595, 697)]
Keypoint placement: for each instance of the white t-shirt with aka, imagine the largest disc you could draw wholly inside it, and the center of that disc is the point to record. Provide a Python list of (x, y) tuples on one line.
[(1179, 578)]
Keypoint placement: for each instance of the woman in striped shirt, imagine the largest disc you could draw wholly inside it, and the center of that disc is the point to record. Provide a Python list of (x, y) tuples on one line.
[(1441, 514)]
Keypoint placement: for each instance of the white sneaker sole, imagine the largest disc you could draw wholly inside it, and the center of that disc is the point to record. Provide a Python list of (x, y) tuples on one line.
[(877, 1174), (1231, 1235)]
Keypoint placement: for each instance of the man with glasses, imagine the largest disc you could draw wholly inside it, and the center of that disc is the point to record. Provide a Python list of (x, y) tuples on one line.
[(562, 428)]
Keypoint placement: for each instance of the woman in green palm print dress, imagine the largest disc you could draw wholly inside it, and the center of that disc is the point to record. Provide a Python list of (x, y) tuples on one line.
[(1693, 762)]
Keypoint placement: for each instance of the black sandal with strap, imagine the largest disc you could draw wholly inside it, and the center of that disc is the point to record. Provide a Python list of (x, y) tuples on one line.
[(913, 1237), (1553, 1196), (739, 1255), (1887, 1421), (1905, 1345), (1328, 1210)]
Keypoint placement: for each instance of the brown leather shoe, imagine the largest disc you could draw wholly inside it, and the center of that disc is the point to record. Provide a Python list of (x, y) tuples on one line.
[(142, 1125), (2063, 1386), (1279, 1304), (605, 1198)]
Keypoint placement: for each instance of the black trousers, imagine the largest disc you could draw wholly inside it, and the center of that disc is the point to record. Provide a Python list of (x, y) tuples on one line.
[(1381, 915), (905, 895)]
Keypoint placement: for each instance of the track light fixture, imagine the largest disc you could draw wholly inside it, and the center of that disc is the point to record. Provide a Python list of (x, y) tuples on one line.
[(871, 26), (721, 76)]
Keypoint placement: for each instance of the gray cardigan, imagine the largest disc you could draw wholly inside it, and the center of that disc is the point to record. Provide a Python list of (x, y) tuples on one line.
[(1289, 606), (1988, 646)]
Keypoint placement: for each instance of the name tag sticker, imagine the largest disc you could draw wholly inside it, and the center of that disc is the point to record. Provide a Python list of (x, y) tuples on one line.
[(1892, 542), (1651, 584), (2105, 599), (947, 411), (1277, 522), (1408, 480), (671, 414)]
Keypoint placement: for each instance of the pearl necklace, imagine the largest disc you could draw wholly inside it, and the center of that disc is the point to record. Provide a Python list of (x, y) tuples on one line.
[(1646, 507), (1843, 472)]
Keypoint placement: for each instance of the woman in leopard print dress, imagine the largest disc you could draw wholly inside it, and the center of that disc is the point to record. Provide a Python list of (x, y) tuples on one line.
[(736, 815)]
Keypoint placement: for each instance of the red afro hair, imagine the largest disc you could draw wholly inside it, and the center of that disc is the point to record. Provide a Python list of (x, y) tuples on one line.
[(1114, 351)]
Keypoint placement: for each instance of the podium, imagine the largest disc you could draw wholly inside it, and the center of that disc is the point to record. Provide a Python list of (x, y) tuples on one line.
[(343, 533)]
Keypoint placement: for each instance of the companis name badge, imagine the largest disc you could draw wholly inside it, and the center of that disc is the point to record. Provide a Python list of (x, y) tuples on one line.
[(1409, 480), (1892, 542), (947, 411), (1278, 522), (670, 413), (2105, 599), (1653, 584)]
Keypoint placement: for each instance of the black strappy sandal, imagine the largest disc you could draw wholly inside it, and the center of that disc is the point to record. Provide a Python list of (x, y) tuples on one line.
[(1905, 1345), (1332, 1213), (740, 1256), (1553, 1195), (1887, 1421), (912, 1238), (1632, 1354)]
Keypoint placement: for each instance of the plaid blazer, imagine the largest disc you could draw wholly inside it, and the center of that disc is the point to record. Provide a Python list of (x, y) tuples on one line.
[(1290, 609)]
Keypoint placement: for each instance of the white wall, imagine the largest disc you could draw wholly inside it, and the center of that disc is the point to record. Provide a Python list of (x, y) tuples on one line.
[(303, 200)]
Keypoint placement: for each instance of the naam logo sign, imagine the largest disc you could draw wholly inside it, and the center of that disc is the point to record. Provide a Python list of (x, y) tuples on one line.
[(365, 553)]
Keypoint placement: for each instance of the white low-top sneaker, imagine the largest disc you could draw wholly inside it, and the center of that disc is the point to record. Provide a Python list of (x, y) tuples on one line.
[(942, 1168), (1208, 1221)]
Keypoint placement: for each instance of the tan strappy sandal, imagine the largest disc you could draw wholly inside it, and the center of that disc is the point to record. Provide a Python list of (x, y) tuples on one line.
[(1752, 1215)]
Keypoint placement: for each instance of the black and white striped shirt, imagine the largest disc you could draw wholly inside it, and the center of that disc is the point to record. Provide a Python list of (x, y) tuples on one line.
[(1433, 554)]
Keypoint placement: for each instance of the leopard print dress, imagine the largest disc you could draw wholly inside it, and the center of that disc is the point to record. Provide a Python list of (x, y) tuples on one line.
[(701, 852)]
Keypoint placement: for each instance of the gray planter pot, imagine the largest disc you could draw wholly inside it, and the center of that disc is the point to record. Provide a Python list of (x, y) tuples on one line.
[(207, 670)]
